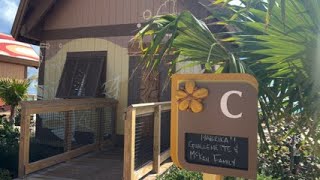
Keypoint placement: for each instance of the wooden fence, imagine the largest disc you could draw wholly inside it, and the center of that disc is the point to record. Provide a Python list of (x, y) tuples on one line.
[(68, 107), (131, 172)]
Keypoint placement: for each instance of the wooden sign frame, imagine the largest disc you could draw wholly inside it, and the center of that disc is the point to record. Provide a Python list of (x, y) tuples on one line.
[(210, 122)]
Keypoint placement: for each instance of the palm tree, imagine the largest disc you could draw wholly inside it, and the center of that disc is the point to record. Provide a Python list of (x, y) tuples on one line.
[(13, 91), (276, 41)]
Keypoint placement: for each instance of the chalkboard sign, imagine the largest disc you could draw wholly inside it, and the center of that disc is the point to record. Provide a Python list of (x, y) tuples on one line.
[(218, 151), (214, 123)]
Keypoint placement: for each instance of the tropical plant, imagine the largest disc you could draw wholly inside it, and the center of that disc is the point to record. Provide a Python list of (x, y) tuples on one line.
[(275, 41), (9, 150), (12, 91), (175, 173), (5, 174)]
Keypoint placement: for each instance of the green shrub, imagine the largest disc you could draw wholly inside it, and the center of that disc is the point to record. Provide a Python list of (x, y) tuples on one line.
[(5, 174), (288, 156), (175, 173), (9, 148)]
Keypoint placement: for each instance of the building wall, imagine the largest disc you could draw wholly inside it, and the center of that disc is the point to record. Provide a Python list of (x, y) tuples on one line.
[(15, 71), (117, 67), (87, 13), (68, 14)]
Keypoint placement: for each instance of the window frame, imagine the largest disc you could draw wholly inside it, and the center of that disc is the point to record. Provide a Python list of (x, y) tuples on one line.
[(85, 56)]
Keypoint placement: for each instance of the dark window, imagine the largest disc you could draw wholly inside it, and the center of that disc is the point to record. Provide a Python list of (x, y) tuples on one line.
[(83, 75)]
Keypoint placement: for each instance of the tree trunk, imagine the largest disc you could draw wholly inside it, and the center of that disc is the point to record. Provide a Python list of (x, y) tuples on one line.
[(12, 114)]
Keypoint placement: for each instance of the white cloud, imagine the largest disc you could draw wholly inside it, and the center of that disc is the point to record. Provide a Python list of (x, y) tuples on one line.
[(8, 9)]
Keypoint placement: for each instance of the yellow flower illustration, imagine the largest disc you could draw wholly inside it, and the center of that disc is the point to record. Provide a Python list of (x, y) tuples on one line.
[(190, 98)]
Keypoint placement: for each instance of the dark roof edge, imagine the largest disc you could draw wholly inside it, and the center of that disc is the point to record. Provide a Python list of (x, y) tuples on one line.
[(19, 16)]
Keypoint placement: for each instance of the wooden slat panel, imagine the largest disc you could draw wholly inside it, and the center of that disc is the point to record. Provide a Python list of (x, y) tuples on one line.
[(112, 11), (92, 16), (85, 13), (104, 12), (133, 11), (126, 13), (8, 70), (119, 14)]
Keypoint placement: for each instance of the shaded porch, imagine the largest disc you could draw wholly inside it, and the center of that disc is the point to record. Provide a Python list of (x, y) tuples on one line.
[(105, 164)]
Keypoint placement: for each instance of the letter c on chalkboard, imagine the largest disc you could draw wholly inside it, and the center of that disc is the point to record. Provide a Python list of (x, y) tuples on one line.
[(224, 104)]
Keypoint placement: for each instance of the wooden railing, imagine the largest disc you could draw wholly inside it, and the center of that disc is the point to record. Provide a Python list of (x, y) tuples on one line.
[(67, 112), (135, 111)]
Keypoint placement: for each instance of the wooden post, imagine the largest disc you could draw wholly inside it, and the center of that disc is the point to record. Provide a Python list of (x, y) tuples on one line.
[(157, 139), (67, 132), (129, 144), (24, 141), (212, 177)]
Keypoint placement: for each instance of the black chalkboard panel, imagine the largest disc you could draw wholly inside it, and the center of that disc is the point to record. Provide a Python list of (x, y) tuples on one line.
[(218, 151)]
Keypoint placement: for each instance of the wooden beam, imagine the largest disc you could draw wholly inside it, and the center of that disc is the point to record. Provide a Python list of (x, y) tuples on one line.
[(35, 166), (157, 139), (113, 30), (144, 170), (57, 105), (164, 156), (148, 108), (164, 167), (142, 111), (166, 107), (129, 146), (24, 145), (150, 104)]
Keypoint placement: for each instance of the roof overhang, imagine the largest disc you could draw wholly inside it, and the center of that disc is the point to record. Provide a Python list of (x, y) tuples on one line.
[(27, 23), (20, 61), (18, 19)]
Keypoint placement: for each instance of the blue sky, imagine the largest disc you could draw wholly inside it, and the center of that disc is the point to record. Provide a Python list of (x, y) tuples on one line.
[(8, 9)]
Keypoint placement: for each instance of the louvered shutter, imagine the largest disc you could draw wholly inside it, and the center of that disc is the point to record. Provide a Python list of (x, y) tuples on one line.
[(81, 77)]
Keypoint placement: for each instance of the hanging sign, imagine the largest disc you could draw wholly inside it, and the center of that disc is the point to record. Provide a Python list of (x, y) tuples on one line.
[(214, 123)]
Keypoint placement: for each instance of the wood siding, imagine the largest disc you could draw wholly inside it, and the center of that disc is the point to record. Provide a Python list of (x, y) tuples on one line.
[(117, 67), (84, 13), (67, 15), (15, 71)]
